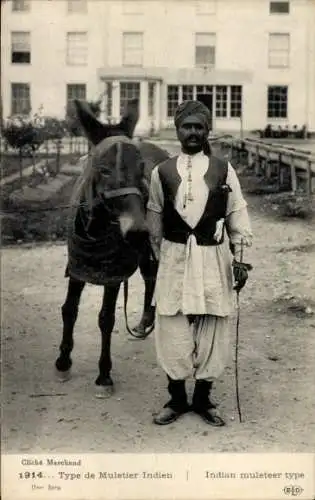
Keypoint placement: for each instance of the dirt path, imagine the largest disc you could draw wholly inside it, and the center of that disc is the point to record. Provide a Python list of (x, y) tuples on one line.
[(277, 359)]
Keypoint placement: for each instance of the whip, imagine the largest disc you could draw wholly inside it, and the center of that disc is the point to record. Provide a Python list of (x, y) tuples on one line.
[(237, 343)]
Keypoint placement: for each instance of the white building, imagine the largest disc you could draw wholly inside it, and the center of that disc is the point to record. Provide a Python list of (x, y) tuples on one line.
[(255, 57)]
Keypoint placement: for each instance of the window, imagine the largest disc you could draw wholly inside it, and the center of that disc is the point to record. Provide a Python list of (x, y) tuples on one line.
[(205, 7), (205, 49), (280, 7), (221, 101), (128, 90), (20, 98), (77, 50), (204, 89), (188, 92), (21, 5), (279, 50), (77, 6), (172, 99), (21, 47), (236, 101), (132, 48), (109, 99), (76, 91), (151, 96), (132, 7), (277, 102)]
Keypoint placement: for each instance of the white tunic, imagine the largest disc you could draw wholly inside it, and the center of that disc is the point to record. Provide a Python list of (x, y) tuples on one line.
[(195, 279)]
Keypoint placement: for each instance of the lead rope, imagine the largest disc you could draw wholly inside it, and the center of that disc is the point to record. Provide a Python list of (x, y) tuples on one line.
[(125, 307), (129, 330)]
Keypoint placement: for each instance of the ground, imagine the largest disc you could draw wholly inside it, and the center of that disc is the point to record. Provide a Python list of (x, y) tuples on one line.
[(276, 358)]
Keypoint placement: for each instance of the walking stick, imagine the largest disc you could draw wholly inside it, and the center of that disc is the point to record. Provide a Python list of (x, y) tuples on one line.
[(237, 343)]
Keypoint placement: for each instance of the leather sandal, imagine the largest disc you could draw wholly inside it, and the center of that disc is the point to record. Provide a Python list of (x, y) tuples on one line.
[(211, 416), (167, 415)]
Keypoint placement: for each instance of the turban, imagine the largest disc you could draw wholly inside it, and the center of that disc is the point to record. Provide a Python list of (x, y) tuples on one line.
[(192, 108)]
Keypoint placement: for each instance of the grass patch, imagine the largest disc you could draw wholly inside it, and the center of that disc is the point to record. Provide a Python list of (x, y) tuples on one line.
[(297, 206), (306, 248), (10, 164)]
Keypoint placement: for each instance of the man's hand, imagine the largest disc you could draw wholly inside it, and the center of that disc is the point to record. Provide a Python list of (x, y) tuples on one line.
[(240, 271)]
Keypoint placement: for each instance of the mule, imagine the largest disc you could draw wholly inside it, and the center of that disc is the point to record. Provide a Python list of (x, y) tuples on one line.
[(108, 239)]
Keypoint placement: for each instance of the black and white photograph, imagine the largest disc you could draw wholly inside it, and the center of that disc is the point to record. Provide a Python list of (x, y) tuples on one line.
[(157, 234)]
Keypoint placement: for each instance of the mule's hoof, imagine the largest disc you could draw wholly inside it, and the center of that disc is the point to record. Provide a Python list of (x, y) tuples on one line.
[(63, 376), (104, 391)]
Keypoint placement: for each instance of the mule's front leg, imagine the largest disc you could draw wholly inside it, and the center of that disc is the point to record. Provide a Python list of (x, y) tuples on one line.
[(69, 311), (148, 270), (106, 323)]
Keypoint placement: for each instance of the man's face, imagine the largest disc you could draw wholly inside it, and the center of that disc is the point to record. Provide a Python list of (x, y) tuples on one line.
[(192, 133)]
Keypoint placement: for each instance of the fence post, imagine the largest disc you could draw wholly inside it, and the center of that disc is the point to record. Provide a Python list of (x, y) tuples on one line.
[(309, 178), (280, 173), (268, 166), (257, 162), (21, 167), (47, 153), (293, 175), (58, 145), (33, 152)]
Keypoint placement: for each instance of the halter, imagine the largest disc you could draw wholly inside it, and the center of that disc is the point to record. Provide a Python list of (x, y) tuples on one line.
[(114, 193), (109, 194), (123, 191)]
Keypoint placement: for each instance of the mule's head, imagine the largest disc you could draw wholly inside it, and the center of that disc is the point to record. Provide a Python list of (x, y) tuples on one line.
[(115, 171)]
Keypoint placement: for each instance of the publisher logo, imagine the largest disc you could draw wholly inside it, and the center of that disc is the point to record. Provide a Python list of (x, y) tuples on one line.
[(293, 490)]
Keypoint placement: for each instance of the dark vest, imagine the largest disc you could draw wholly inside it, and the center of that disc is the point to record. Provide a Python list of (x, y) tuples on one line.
[(174, 227)]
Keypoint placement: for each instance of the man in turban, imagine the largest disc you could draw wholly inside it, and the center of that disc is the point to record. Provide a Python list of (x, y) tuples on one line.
[(197, 215)]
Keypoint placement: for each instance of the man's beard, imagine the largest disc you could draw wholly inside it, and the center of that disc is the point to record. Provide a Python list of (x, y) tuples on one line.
[(193, 148)]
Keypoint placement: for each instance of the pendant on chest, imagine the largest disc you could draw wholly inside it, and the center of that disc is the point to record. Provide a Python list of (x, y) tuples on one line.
[(188, 196)]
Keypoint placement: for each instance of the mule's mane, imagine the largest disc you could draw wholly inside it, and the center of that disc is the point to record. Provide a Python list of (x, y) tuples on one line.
[(83, 188)]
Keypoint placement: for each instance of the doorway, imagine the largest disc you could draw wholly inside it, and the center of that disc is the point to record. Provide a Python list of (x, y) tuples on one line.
[(207, 100)]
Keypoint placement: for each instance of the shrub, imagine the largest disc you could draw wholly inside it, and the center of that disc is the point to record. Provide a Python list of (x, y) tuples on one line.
[(27, 134), (21, 134), (52, 128), (299, 206)]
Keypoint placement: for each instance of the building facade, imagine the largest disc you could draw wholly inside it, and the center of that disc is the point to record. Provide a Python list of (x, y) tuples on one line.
[(255, 59)]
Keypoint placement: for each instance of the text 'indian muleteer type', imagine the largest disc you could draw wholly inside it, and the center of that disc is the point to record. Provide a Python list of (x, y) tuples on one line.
[(254, 475)]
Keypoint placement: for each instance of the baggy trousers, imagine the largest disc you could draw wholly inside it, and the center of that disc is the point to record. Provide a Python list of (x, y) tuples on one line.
[(199, 350)]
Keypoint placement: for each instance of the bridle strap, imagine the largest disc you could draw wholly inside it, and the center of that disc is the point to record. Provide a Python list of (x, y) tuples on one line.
[(114, 193)]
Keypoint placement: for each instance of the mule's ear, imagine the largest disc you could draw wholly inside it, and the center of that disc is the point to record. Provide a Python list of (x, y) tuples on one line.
[(94, 130), (130, 117)]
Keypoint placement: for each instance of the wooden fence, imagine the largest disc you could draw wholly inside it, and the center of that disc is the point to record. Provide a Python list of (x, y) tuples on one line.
[(291, 167), (64, 146)]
